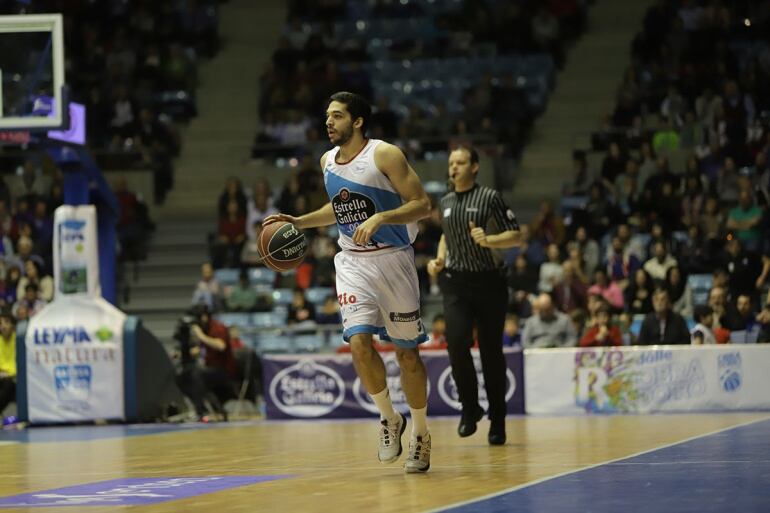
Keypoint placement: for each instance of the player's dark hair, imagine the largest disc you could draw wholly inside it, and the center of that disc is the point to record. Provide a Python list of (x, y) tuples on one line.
[(357, 106)]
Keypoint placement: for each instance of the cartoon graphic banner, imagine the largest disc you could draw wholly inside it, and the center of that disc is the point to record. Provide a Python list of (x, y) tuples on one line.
[(74, 361), (645, 380), (326, 386)]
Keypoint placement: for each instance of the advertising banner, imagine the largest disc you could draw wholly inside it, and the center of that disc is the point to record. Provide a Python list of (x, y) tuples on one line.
[(645, 380), (74, 361), (326, 386), (75, 251)]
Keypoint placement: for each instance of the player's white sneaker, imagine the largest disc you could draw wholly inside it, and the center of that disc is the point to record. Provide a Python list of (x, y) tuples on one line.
[(418, 459), (390, 439)]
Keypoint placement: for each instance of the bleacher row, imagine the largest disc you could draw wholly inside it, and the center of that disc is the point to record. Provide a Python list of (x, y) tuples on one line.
[(268, 332), (404, 82)]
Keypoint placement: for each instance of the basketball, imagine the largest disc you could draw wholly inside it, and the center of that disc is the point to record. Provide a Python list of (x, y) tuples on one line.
[(282, 246)]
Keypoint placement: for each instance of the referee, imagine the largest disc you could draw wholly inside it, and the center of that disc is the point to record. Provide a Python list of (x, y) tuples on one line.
[(474, 288)]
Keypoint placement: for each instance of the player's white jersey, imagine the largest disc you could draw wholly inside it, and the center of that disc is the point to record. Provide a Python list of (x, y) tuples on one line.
[(357, 190)]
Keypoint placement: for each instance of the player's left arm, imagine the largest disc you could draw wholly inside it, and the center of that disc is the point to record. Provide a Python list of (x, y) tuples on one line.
[(510, 236), (392, 162)]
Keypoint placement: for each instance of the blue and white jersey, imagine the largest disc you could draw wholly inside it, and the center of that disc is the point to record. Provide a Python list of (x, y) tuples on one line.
[(358, 190)]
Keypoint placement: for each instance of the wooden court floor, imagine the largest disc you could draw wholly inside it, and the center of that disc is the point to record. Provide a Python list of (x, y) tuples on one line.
[(332, 465)]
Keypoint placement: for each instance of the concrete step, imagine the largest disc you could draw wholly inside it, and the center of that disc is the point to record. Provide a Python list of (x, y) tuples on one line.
[(172, 280), (141, 292), (168, 305)]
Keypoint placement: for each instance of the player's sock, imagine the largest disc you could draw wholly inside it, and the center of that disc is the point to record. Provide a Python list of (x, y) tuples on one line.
[(384, 404), (419, 421)]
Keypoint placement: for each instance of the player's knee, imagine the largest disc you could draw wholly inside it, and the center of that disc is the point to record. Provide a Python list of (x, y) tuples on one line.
[(361, 346), (408, 359)]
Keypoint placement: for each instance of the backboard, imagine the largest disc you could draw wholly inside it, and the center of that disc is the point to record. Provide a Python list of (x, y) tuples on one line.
[(32, 72)]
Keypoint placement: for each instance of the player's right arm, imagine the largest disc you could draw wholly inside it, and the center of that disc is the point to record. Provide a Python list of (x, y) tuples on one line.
[(324, 216)]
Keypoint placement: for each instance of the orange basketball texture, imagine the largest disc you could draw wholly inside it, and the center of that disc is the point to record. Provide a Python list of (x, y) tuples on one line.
[(282, 245)]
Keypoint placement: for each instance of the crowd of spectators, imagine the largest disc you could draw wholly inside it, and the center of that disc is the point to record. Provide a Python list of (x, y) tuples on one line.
[(681, 194), (28, 198), (325, 48), (134, 66)]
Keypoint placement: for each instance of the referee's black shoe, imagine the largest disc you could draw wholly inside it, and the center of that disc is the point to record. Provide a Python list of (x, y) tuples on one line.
[(496, 432), (468, 421)]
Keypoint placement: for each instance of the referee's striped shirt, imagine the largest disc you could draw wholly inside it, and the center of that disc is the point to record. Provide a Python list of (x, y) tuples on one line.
[(487, 209)]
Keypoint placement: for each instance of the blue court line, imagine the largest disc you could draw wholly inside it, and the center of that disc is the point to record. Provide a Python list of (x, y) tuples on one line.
[(87, 433), (723, 471)]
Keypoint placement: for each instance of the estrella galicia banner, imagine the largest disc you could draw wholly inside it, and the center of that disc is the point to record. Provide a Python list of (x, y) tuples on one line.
[(74, 361), (326, 386), (646, 380)]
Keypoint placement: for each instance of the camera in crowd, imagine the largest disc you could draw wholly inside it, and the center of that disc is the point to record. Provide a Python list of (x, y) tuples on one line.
[(193, 317)]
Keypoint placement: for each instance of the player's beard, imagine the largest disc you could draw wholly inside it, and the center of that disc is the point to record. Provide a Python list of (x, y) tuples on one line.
[(343, 136)]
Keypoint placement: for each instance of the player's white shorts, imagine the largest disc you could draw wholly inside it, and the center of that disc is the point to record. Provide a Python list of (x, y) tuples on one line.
[(379, 293)]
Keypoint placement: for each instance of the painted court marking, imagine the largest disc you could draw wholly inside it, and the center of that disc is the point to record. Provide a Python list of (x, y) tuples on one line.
[(475, 503), (131, 491)]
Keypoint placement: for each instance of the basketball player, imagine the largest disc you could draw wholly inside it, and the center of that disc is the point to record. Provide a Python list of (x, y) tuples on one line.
[(376, 199)]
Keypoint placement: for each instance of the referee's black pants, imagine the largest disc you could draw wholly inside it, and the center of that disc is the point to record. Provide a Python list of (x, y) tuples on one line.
[(481, 297)]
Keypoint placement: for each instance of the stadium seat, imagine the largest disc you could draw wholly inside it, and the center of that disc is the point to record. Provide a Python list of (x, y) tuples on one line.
[(234, 319), (227, 276), (261, 276), (308, 343), (317, 295), (282, 296), (270, 343)]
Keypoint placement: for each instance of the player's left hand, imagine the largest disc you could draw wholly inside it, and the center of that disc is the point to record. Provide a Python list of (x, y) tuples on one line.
[(479, 235), (366, 230)]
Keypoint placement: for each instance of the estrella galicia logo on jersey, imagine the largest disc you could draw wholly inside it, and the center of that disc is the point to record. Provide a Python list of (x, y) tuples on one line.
[(405, 317), (730, 374), (352, 207), (307, 389)]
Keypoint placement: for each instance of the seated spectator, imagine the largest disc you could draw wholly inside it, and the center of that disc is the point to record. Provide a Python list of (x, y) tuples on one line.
[(638, 295), (580, 180), (7, 359), (522, 282), (624, 325), (242, 297), (10, 285), (511, 333), (250, 255), (233, 192), (621, 264), (548, 327), (32, 275), (548, 226), (588, 248), (679, 291), (213, 380), (602, 333), (551, 271), (663, 326), (330, 311), (300, 309), (744, 268), (609, 290), (570, 293), (660, 263), (260, 205), (437, 336), (231, 235), (208, 291), (763, 318), (702, 333), (742, 317), (578, 318), (745, 220), (30, 300)]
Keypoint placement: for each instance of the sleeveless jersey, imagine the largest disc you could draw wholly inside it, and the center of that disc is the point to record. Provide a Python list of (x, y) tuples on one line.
[(357, 190)]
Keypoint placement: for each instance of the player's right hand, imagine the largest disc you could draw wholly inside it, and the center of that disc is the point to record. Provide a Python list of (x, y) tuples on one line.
[(280, 217), (435, 266)]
